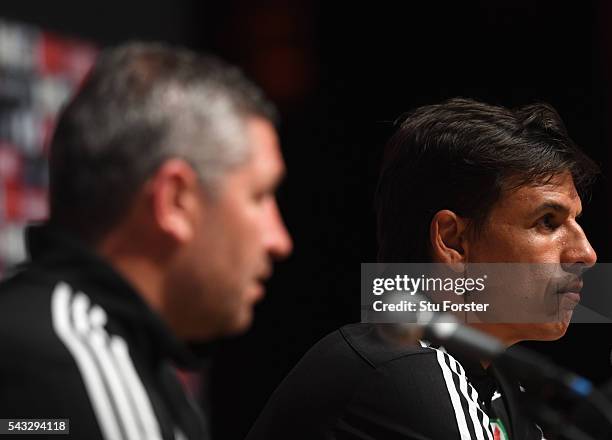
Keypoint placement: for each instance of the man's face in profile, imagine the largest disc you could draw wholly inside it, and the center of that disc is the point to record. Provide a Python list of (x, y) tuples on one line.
[(239, 233), (537, 224)]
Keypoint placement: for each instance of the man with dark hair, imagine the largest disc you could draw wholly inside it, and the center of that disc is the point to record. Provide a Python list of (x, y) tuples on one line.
[(462, 182), (163, 229)]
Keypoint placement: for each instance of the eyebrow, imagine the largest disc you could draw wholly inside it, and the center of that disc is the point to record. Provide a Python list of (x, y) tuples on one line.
[(555, 206)]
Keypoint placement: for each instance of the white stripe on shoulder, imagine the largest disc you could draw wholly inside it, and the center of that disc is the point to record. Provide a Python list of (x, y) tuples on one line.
[(132, 399), (97, 340), (94, 384), (137, 390), (485, 417), (541, 432), (427, 344), (457, 367), (472, 404), (471, 396), (454, 396)]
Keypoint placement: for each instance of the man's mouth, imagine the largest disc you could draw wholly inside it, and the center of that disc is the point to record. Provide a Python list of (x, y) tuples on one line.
[(574, 286), (260, 281), (571, 293), (265, 274), (573, 297)]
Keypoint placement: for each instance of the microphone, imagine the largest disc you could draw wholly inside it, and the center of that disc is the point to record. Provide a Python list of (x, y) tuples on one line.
[(445, 329), (546, 383), (532, 369)]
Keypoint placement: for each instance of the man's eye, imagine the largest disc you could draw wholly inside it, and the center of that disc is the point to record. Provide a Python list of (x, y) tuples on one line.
[(548, 222)]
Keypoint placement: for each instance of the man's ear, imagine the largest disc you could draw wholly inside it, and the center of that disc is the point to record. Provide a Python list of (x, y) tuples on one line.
[(447, 239), (175, 197)]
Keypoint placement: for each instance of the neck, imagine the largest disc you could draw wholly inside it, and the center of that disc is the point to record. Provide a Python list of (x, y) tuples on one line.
[(498, 331), (141, 271)]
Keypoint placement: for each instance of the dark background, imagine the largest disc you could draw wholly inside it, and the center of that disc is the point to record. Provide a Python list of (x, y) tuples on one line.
[(340, 73)]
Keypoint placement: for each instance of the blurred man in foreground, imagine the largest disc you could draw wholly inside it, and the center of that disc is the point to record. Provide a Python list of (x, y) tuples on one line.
[(462, 182), (163, 229)]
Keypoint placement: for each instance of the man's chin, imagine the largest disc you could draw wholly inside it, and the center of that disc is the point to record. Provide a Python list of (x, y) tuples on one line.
[(550, 331), (241, 322), (256, 293)]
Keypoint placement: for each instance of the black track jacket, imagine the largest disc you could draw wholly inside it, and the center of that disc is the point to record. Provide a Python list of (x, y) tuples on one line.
[(77, 342), (354, 385)]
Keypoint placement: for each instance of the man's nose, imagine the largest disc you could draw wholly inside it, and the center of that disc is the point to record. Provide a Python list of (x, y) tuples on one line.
[(578, 254), (278, 240)]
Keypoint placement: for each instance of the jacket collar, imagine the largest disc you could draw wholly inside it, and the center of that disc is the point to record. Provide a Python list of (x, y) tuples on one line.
[(60, 254)]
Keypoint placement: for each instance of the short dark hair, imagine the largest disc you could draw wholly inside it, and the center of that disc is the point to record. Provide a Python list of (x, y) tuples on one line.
[(141, 104), (480, 150)]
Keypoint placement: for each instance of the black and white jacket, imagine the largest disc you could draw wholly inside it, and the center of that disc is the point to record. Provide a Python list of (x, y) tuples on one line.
[(78, 342), (355, 385)]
